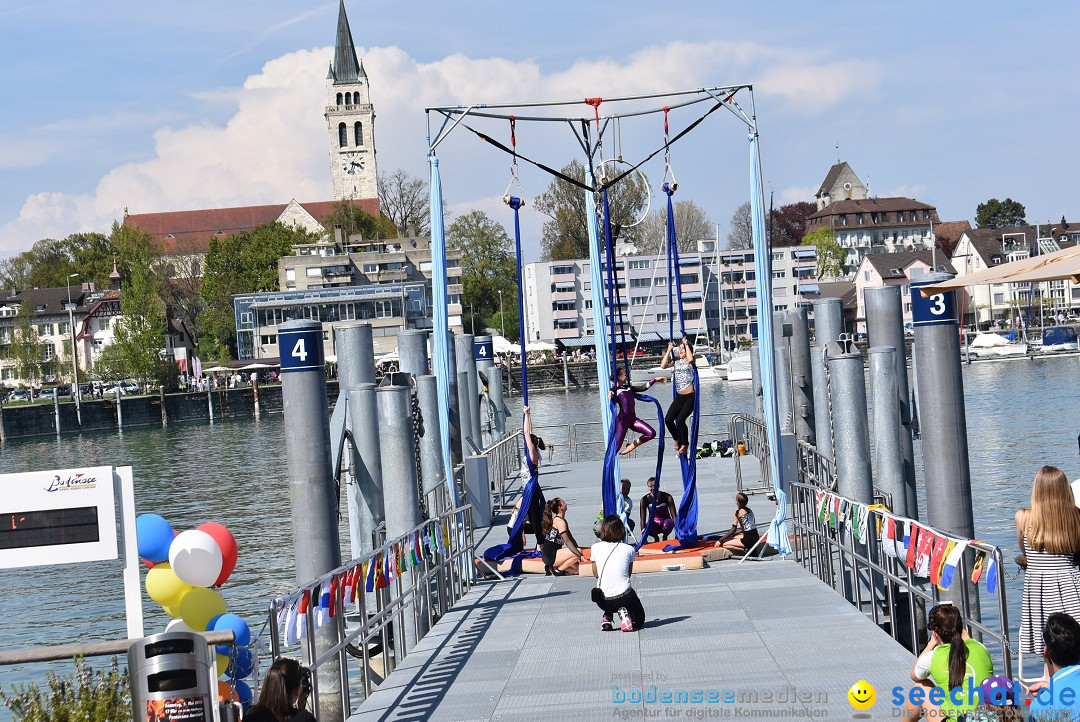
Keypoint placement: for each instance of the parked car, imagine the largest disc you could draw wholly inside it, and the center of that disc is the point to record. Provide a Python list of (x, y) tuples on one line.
[(129, 387), (18, 395)]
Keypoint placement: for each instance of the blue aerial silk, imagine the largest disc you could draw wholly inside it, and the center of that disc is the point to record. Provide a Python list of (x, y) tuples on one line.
[(686, 521), (441, 322), (777, 535), (532, 496)]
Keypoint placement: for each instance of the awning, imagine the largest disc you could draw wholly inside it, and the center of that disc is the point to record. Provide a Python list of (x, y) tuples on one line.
[(804, 253), (691, 297), (1056, 266), (809, 288)]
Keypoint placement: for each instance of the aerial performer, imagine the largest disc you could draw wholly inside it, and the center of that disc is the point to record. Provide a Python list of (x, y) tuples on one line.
[(681, 356), (624, 396)]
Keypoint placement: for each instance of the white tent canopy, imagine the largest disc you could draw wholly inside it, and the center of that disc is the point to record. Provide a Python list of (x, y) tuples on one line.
[(539, 346), (388, 357), (500, 345), (1056, 266)]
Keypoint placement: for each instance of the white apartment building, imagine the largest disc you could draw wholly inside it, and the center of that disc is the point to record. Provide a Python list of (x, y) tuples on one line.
[(558, 294)]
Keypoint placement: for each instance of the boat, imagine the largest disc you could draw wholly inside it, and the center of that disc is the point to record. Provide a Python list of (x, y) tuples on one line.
[(992, 345), (739, 368), (1058, 339)]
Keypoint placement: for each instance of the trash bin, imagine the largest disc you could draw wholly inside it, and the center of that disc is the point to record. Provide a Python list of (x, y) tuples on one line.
[(170, 678)]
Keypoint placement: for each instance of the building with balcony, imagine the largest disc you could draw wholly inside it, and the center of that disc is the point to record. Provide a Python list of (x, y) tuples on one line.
[(876, 225), (715, 286), (894, 269), (982, 248)]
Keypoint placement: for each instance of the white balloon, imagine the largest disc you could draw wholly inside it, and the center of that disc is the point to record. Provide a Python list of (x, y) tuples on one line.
[(177, 625), (195, 557)]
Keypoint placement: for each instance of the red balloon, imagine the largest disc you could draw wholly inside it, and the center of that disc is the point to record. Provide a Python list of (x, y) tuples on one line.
[(149, 564), (227, 543)]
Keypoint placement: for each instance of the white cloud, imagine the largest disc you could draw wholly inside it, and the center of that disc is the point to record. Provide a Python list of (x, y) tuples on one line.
[(274, 146), (907, 191), (795, 194)]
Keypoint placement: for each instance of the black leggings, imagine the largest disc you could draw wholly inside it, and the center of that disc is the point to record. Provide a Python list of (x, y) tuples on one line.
[(677, 414), (629, 601)]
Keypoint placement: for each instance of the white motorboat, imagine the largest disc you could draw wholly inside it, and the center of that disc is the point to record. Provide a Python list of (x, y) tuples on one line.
[(740, 367), (1058, 339), (992, 345)]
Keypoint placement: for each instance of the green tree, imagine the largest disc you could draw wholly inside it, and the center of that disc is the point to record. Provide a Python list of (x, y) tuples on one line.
[(92, 255), (26, 347), (46, 265), (128, 244), (244, 263), (140, 332), (354, 219), (1000, 214), (691, 225), (831, 258), (488, 264), (109, 366), (566, 233)]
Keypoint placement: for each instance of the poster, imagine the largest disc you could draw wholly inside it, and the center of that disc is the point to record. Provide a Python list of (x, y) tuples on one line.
[(189, 709)]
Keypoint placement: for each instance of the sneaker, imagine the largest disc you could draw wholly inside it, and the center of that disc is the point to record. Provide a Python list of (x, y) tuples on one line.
[(627, 625), (605, 624)]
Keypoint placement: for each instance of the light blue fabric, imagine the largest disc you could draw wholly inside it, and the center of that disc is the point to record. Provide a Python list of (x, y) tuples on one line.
[(777, 536), (441, 322)]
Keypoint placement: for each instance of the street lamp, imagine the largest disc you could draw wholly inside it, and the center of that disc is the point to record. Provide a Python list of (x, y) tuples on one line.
[(502, 318), (74, 358)]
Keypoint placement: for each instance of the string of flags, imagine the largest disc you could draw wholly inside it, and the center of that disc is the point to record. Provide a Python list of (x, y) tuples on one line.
[(320, 600), (926, 552)]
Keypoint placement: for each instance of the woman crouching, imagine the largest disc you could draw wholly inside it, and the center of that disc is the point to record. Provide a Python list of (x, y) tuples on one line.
[(613, 562)]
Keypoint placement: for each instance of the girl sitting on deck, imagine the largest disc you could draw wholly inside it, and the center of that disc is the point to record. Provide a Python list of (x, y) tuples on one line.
[(626, 414), (560, 551), (613, 562), (743, 534)]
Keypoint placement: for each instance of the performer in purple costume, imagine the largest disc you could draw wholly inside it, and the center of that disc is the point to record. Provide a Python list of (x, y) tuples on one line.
[(626, 413)]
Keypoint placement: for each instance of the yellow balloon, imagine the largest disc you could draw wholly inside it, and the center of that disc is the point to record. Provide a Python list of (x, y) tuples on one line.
[(199, 606), (222, 663), (164, 587), (173, 612)]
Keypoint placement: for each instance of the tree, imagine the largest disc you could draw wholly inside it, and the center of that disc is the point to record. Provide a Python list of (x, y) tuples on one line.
[(565, 233), (180, 284), (244, 263), (26, 347), (488, 264), (92, 255), (354, 219), (831, 258), (140, 332), (46, 265), (128, 244), (741, 234), (691, 226), (1000, 214), (788, 223), (404, 200)]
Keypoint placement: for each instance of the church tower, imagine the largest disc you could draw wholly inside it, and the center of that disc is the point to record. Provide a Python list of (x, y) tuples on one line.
[(350, 120)]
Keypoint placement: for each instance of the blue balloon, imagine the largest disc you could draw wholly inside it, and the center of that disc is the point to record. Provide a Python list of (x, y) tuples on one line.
[(154, 536), (243, 691), (210, 625), (238, 626), (240, 665)]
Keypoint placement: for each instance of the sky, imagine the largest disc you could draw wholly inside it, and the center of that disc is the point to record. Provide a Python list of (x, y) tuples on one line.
[(172, 106)]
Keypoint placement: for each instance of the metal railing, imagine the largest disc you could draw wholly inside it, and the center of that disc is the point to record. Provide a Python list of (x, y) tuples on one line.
[(868, 577), (379, 617), (750, 431), (817, 469)]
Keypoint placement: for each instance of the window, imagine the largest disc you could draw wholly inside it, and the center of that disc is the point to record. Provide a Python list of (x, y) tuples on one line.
[(999, 298), (267, 339), (639, 300), (688, 278), (907, 308), (339, 98), (866, 275), (562, 288), (751, 275), (692, 315), (564, 306), (640, 282), (660, 282), (899, 216), (926, 214), (371, 268), (62, 328), (779, 274), (358, 133), (859, 218), (453, 299), (348, 98), (843, 219), (45, 329), (778, 257), (313, 272), (779, 292), (640, 265), (661, 318), (561, 270), (290, 274), (779, 308), (566, 323), (588, 304), (105, 324), (384, 309), (342, 135), (712, 313)]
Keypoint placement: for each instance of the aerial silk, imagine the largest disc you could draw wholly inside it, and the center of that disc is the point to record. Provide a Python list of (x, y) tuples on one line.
[(441, 322), (532, 496), (686, 522), (777, 535)]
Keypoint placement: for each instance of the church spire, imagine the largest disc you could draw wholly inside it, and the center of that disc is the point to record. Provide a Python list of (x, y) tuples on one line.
[(346, 68)]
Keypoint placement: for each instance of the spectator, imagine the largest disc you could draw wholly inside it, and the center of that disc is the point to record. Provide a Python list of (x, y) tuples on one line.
[(623, 506), (1048, 532), (663, 518), (560, 551), (743, 534), (948, 661), (284, 694), (1061, 652), (613, 562)]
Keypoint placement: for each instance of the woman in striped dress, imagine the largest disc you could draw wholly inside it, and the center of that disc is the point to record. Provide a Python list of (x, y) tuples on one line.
[(1049, 534)]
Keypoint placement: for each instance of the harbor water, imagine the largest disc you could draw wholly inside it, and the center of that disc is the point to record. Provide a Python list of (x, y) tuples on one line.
[(1021, 415)]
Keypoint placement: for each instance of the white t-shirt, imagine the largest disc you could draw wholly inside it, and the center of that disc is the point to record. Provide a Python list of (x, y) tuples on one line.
[(1076, 491), (613, 562)]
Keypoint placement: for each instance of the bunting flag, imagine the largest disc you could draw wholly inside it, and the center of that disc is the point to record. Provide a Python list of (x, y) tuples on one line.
[(856, 528), (843, 515), (335, 587), (907, 534), (992, 574), (414, 559), (380, 571), (977, 567), (402, 562), (952, 562), (888, 536), (292, 636), (445, 538), (834, 508), (822, 506), (911, 544), (369, 576), (937, 558), (925, 552), (324, 604)]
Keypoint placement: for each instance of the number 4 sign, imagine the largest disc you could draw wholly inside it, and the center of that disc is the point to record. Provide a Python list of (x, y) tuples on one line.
[(301, 349), (934, 310)]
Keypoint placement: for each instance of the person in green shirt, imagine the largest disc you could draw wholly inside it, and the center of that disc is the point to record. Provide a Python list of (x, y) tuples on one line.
[(949, 659)]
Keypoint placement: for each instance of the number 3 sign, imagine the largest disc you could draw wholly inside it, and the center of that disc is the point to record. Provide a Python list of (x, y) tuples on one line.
[(301, 349), (933, 310)]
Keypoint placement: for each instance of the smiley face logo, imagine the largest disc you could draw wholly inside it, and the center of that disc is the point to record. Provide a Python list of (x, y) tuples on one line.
[(862, 695)]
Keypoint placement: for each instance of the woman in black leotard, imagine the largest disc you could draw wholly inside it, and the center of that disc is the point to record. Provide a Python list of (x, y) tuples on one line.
[(560, 551)]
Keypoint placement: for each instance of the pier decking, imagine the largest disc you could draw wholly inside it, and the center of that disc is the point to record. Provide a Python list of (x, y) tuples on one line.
[(764, 639)]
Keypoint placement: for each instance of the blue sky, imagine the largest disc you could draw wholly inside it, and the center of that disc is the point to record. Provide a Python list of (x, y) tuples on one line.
[(156, 106)]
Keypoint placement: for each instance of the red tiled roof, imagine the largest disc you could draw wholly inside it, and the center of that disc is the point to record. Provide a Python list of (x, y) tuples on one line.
[(191, 231)]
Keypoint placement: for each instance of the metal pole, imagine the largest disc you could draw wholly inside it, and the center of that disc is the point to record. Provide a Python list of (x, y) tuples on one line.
[(474, 395), (412, 352), (463, 354), (782, 354), (755, 371), (431, 462), (485, 366), (885, 327), (495, 392), (851, 437), (119, 410), (56, 410), (467, 442), (77, 394), (209, 397), (402, 504), (365, 494), (456, 427), (943, 419), (888, 455), (312, 487), (355, 350), (164, 413), (802, 387), (828, 325)]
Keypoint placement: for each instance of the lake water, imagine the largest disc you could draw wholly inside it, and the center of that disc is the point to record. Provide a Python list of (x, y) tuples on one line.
[(1021, 415)]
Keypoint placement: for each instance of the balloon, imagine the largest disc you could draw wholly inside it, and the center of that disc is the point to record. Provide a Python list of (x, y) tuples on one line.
[(210, 624), (149, 564), (199, 606), (164, 587), (226, 692), (222, 664), (241, 664), (195, 557), (173, 612), (243, 691), (154, 535), (227, 544), (237, 625), (177, 625)]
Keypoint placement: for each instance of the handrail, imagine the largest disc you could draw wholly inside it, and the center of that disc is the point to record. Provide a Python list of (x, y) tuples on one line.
[(860, 566), (54, 652), (440, 574)]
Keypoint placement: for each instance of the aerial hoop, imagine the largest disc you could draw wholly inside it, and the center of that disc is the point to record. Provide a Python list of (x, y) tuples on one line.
[(617, 167)]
